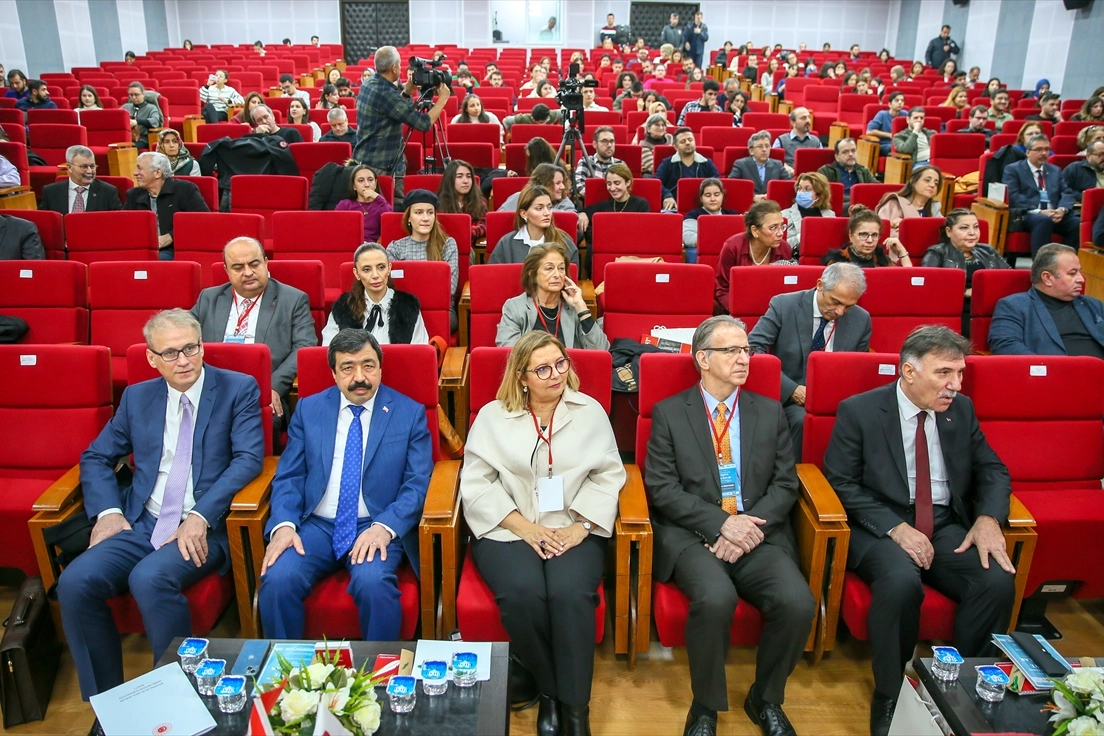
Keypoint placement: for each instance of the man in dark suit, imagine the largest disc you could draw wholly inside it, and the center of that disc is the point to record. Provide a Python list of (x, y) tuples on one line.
[(759, 168), (157, 190), (1086, 173), (339, 131), (19, 240), (1053, 317), (721, 483), (82, 192), (921, 487), (352, 480), (1036, 187), (254, 308), (799, 324), (196, 438)]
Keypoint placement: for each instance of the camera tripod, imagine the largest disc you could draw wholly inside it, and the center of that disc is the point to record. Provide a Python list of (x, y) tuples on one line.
[(437, 154), (574, 128)]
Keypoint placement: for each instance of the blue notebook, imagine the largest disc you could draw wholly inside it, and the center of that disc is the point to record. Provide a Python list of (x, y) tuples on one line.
[(1025, 664), (299, 653)]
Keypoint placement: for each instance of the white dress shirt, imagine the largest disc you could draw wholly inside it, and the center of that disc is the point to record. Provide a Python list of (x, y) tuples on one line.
[(829, 327), (420, 335), (523, 236), (940, 488), (238, 306)]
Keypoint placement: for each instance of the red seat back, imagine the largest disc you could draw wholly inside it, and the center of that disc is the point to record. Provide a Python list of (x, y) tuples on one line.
[(751, 288), (869, 195), (133, 236), (330, 237), (648, 235), (491, 285), (811, 159), (901, 299), (213, 131), (208, 187), (50, 140), (306, 275), (310, 157), (266, 194), (989, 286), (640, 296), (201, 236), (739, 194), (713, 231), (51, 296), (594, 368), (50, 229), (105, 127), (431, 282), (957, 153)]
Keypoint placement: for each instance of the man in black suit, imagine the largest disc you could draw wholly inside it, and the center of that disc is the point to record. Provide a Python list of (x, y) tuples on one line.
[(721, 483), (759, 168), (921, 487), (158, 191), (19, 240), (81, 192)]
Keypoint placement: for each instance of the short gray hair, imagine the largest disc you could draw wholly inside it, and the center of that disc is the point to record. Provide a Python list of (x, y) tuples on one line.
[(844, 274), (253, 112), (762, 135), (170, 318), (933, 340), (704, 334), (159, 162), (73, 151), (656, 118), (337, 113), (1047, 260), (387, 57), (1040, 138)]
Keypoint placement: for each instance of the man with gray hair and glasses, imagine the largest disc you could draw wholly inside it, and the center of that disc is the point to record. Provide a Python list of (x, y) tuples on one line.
[(926, 498), (158, 192), (796, 325), (758, 167), (82, 191), (721, 483)]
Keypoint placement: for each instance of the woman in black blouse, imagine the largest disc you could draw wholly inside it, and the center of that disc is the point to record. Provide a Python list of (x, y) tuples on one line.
[(619, 183)]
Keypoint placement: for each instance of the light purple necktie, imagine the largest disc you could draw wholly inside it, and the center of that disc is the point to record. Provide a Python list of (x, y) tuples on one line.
[(172, 504)]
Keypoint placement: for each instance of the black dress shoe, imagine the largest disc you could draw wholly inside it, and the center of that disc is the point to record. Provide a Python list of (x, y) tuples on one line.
[(575, 719), (768, 716), (700, 726), (548, 717), (881, 714)]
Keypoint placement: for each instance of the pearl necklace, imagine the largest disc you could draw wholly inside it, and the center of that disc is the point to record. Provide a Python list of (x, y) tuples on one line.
[(766, 256)]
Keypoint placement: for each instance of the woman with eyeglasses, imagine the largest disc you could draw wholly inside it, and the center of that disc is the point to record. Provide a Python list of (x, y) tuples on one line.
[(763, 243), (539, 486), (864, 231)]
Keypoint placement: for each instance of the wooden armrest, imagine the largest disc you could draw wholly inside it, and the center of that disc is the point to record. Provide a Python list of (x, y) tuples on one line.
[(869, 138), (454, 367), (633, 502), (6, 191), (815, 488), (444, 485), (1018, 515), (61, 493), (256, 491), (119, 146), (990, 203), (900, 156), (465, 293)]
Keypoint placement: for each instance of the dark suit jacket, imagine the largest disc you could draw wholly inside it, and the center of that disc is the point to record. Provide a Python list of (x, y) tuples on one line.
[(227, 449), (398, 461), (1023, 190), (19, 240), (684, 487), (865, 463), (100, 197), (787, 331), (745, 168), (176, 196), (1077, 177), (284, 324), (1022, 325)]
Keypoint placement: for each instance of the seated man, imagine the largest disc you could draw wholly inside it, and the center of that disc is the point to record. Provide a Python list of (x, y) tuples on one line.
[(801, 123), (913, 519), (722, 531), (339, 127), (1036, 186), (759, 168), (1048, 109), (707, 103), (846, 169), (38, 98), (603, 159), (540, 114), (19, 240), (686, 163), (82, 191), (144, 113), (915, 139), (801, 323), (979, 115), (254, 308), (287, 89), (1088, 173), (589, 105), (264, 123), (998, 112), (349, 483), (166, 530), (1053, 317), (881, 126), (158, 191)]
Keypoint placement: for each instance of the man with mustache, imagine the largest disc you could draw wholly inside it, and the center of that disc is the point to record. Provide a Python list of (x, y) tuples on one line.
[(926, 498), (348, 493)]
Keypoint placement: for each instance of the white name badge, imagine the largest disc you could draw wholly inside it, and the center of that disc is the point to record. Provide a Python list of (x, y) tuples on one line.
[(550, 494), (236, 339)]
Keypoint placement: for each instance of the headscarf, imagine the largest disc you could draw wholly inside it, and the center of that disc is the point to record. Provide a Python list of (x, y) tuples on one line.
[(1039, 85), (183, 160)]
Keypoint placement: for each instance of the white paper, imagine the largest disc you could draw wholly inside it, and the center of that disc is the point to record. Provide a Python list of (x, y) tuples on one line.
[(996, 190), (26, 273), (1037, 370), (327, 723), (789, 279), (28, 360), (442, 651), (912, 717), (397, 273), (663, 278), (550, 494), (140, 276), (887, 369), (161, 701), (917, 280), (684, 335)]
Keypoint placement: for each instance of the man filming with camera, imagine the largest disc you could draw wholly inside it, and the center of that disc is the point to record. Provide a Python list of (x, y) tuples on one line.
[(381, 113)]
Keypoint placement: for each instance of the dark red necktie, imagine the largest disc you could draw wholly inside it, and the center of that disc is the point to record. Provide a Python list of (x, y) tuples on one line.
[(1042, 181), (924, 516)]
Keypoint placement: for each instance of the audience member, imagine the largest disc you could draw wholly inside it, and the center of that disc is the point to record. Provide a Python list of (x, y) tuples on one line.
[(915, 139), (288, 89), (846, 169), (864, 230), (180, 158), (707, 103), (763, 242), (1037, 187), (9, 175), (217, 96), (553, 178), (339, 131), (979, 114), (265, 125), (1028, 130), (374, 304), (759, 168), (685, 163), (426, 239), (38, 98), (1088, 173), (19, 240), (619, 184), (540, 115), (82, 192), (89, 99), (156, 190), (245, 115), (144, 113), (1091, 111), (737, 104), (812, 198), (329, 99), (958, 98), (533, 225), (916, 199), (472, 112), (364, 197), (655, 134), (799, 136), (1048, 109), (711, 199), (959, 247), (17, 85), (597, 165), (998, 111), (299, 114), (1087, 137), (460, 194)]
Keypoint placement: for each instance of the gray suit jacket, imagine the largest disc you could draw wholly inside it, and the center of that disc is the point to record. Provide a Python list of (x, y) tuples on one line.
[(19, 240), (787, 331), (519, 316), (745, 168), (284, 324)]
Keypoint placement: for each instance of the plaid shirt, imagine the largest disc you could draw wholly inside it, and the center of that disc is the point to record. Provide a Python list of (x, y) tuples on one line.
[(381, 113), (695, 106)]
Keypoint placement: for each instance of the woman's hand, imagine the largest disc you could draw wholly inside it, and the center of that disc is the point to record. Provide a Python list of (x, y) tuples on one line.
[(584, 222), (895, 223), (896, 247), (573, 295), (543, 540), (571, 536), (370, 195)]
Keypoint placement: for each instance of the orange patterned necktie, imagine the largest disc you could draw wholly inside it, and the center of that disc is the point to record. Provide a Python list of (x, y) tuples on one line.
[(723, 451)]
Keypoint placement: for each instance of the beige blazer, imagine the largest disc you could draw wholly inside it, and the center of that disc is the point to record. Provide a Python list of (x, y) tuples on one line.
[(899, 207), (500, 468)]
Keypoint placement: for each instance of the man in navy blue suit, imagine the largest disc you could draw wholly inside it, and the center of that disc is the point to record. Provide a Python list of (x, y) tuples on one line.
[(196, 437), (1037, 187), (352, 480)]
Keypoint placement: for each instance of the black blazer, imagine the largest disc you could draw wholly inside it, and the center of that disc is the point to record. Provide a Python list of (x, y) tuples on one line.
[(745, 168), (684, 487), (19, 240), (100, 197), (176, 196), (875, 491)]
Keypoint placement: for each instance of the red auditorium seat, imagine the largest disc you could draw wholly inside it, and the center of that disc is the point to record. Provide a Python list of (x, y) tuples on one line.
[(648, 235), (266, 194), (296, 235), (524, 132), (305, 275), (16, 154), (918, 234), (869, 195), (491, 285), (431, 182), (51, 296), (51, 231), (719, 138), (901, 299), (431, 282), (50, 141), (129, 235), (201, 236), (957, 153), (208, 187), (213, 131), (1091, 204), (310, 157), (751, 288), (811, 159), (649, 189), (59, 117), (640, 296), (105, 127), (504, 186), (713, 231), (989, 287), (695, 121), (739, 194)]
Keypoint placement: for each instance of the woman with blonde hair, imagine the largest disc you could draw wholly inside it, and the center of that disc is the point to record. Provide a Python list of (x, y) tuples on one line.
[(959, 99), (812, 198)]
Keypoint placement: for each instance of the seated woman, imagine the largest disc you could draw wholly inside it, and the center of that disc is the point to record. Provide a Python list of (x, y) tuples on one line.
[(812, 198), (543, 557), (552, 176), (533, 226), (1028, 131), (471, 111), (959, 99), (915, 70), (1088, 136), (552, 303), (738, 106), (329, 98), (458, 194), (373, 304), (619, 184), (299, 115), (426, 239), (89, 99), (958, 247), (916, 199), (168, 143), (1091, 112), (864, 230), (245, 115), (711, 197), (655, 134), (762, 243), (217, 96), (364, 197)]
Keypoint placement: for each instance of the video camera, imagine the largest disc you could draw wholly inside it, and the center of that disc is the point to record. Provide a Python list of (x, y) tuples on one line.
[(570, 94), (426, 74)]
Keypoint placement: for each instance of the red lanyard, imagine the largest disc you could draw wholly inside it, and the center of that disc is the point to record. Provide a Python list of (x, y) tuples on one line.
[(540, 316), (547, 440), (243, 317), (718, 439), (828, 337)]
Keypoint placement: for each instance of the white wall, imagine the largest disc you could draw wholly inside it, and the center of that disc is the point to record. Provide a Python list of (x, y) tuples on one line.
[(245, 21), (132, 26), (980, 45), (931, 16), (792, 22), (436, 22), (12, 53), (1048, 46), (75, 33)]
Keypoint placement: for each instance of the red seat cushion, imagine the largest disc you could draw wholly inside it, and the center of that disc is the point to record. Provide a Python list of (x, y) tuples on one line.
[(937, 612), (671, 609), (332, 613), (207, 599), (1064, 519), (17, 495)]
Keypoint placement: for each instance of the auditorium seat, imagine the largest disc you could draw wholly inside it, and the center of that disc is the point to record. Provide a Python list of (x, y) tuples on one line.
[(51, 296), (430, 182), (490, 286), (431, 282), (123, 235), (957, 153), (213, 131), (751, 288), (649, 189), (310, 157), (1091, 204), (504, 186), (16, 154), (869, 195), (266, 194), (990, 285), (713, 231), (306, 275), (648, 235), (330, 237), (51, 231), (901, 299), (640, 296), (201, 236), (50, 141), (208, 188), (104, 128), (810, 159), (739, 194)]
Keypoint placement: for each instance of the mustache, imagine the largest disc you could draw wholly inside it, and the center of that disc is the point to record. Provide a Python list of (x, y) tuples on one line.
[(948, 394), (367, 386)]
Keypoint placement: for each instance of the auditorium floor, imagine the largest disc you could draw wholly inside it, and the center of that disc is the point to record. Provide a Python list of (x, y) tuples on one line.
[(831, 698)]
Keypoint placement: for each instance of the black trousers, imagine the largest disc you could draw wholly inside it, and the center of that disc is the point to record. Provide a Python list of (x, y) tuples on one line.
[(548, 610), (769, 579), (984, 597), (211, 115)]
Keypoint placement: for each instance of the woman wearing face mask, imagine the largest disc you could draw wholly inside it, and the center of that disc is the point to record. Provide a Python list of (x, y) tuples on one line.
[(959, 247), (168, 143), (534, 226), (364, 197), (392, 316), (459, 194), (812, 198), (711, 197), (864, 230), (916, 199), (427, 240), (763, 243)]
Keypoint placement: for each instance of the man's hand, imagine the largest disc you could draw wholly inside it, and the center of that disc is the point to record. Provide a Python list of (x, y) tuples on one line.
[(916, 126), (913, 542), (986, 535), (373, 539), (798, 396), (164, 241), (788, 169), (743, 531), (758, 198), (283, 538), (443, 92), (277, 404), (670, 204), (191, 538), (409, 87), (725, 550), (106, 527)]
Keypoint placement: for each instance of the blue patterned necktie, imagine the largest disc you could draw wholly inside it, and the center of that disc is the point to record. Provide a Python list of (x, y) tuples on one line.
[(345, 523), (818, 338)]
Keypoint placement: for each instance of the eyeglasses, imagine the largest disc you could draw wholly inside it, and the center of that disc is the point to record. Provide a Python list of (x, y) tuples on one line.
[(867, 236), (84, 167), (1039, 150), (606, 141), (780, 227), (737, 350), (171, 355), (544, 372)]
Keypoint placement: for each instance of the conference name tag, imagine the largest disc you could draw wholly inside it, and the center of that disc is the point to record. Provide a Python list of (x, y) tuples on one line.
[(236, 339), (730, 484), (550, 494)]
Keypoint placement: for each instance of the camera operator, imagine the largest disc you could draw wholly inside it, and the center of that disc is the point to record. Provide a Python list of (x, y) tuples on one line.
[(381, 113)]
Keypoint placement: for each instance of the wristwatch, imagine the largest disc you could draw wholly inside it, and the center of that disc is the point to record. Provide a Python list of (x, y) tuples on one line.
[(586, 524)]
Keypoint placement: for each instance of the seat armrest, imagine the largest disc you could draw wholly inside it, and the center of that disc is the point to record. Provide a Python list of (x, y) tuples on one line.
[(256, 491), (990, 203), (439, 534), (870, 138), (632, 600), (1018, 515), (454, 367), (61, 493), (444, 487), (633, 502), (817, 491)]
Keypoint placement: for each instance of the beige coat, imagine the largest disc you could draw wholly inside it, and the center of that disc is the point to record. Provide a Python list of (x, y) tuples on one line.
[(897, 207), (499, 477)]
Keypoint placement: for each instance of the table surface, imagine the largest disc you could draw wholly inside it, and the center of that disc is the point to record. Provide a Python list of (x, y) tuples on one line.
[(482, 709)]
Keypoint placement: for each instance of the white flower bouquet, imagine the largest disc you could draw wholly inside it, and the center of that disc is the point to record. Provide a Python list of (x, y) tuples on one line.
[(1079, 703)]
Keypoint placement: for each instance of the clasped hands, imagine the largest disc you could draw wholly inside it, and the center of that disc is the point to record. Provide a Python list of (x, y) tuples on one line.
[(548, 542), (985, 535), (740, 534)]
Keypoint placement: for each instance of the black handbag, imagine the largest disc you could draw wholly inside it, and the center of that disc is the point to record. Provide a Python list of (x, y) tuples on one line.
[(29, 656)]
